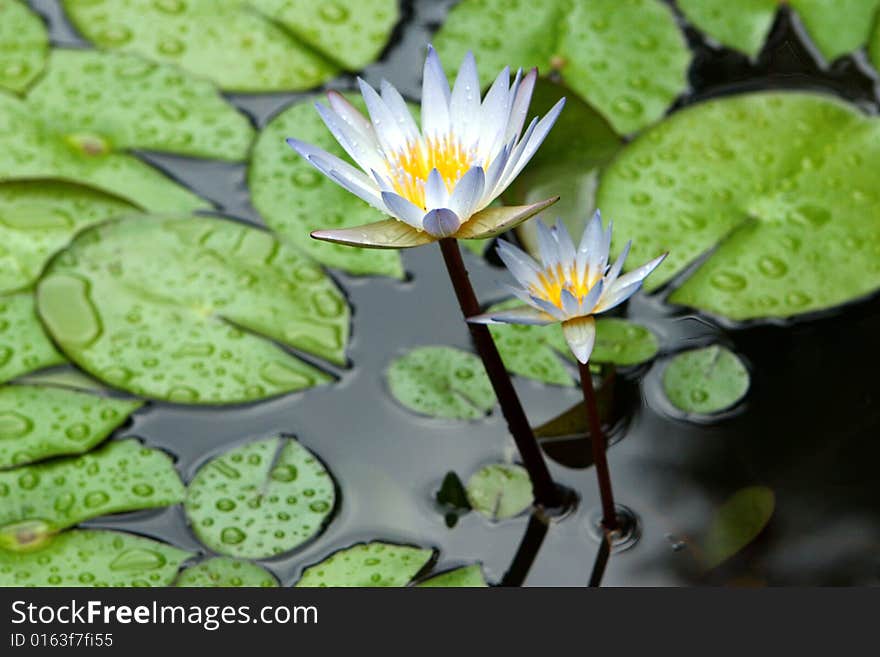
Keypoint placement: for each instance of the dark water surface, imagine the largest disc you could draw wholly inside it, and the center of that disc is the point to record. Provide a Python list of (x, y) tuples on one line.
[(809, 429)]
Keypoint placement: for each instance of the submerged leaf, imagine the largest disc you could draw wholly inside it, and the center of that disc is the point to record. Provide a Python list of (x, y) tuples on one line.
[(367, 565), (500, 491), (464, 577), (778, 187), (261, 499), (704, 381), (24, 45), (93, 558), (226, 572), (190, 315), (295, 199), (441, 382), (737, 523), (121, 476), (626, 57), (24, 345)]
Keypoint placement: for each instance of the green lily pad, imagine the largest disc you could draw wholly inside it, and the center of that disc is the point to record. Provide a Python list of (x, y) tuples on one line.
[(705, 381), (500, 491), (127, 102), (621, 342), (226, 572), (41, 499), (368, 564), (36, 149), (441, 382), (62, 376), (189, 315), (24, 346), (83, 557), (243, 45), (24, 45), (261, 499), (464, 577), (778, 186), (295, 199), (567, 164), (627, 58), (38, 218), (37, 422), (737, 523)]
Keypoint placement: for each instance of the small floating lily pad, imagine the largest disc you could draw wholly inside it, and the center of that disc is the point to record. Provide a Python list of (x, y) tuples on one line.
[(261, 499), (37, 422), (295, 199), (127, 102), (189, 316), (39, 500), (24, 45), (464, 577), (500, 490), (737, 523), (24, 346), (622, 342), (776, 187), (628, 58), (253, 45), (368, 564), (441, 382), (93, 558), (226, 572), (705, 381)]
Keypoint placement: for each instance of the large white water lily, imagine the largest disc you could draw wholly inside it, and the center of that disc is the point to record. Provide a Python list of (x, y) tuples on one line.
[(570, 285), (436, 181)]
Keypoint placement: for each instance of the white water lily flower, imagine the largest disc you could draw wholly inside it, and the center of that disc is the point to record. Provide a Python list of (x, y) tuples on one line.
[(436, 181), (570, 285)]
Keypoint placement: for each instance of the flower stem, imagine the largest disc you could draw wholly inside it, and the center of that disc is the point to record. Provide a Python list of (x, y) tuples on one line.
[(546, 492), (599, 443)]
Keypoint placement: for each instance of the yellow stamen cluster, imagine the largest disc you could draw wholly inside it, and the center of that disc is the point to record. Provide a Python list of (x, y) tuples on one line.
[(410, 167), (555, 279)]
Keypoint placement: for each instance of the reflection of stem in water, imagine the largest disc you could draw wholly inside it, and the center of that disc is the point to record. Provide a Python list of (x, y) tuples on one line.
[(527, 550), (546, 493), (599, 444), (601, 561)]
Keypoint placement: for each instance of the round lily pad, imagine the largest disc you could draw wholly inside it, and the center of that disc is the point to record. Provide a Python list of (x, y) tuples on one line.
[(93, 558), (38, 218), (126, 102), (261, 499), (622, 342), (737, 523), (500, 491), (37, 422), (257, 45), (38, 500), (464, 577), (189, 315), (368, 565), (705, 381), (627, 58), (441, 382), (24, 45), (295, 199), (777, 186), (226, 572), (24, 346)]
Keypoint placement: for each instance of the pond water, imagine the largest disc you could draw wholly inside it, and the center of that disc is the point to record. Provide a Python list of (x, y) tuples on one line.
[(808, 428)]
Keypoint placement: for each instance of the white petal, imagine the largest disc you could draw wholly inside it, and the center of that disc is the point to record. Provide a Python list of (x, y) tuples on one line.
[(639, 274), (590, 244), (403, 209), (435, 97), (616, 296), (349, 113), (566, 246), (580, 334), (441, 222), (588, 303), (614, 272), (548, 247), (398, 107), (520, 106), (467, 193), (570, 304), (388, 133), (351, 179), (464, 103), (537, 138), (494, 173), (494, 114), (515, 155), (363, 149), (436, 194), (523, 268), (548, 308), (522, 315)]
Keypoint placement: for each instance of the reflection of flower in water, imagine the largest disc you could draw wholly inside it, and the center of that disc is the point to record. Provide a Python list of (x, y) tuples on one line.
[(437, 181)]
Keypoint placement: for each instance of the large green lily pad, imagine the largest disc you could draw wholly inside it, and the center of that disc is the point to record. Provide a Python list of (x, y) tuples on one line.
[(368, 564), (36, 149), (779, 187), (189, 315), (127, 102), (39, 500), (243, 45), (704, 381), (261, 499), (627, 58), (93, 558), (737, 523), (24, 45), (37, 422), (441, 382), (464, 577), (38, 217), (295, 199), (226, 572), (24, 346), (500, 490)]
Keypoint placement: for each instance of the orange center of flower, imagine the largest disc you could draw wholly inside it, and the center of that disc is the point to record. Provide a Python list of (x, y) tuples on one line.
[(410, 167), (552, 281)]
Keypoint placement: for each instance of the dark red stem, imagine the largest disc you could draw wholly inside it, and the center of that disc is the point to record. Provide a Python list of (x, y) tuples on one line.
[(599, 444)]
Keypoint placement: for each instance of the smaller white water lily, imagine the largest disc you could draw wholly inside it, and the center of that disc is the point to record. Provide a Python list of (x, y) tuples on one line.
[(571, 284), (436, 180)]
